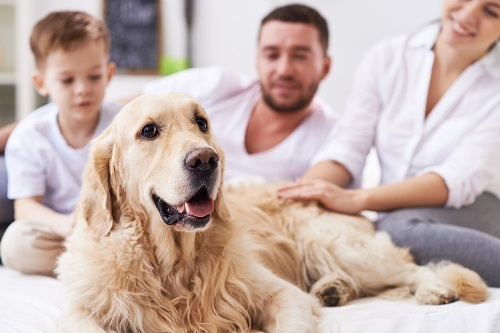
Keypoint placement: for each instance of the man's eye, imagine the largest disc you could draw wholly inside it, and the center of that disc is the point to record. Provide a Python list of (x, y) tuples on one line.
[(149, 131), (271, 55), (202, 124)]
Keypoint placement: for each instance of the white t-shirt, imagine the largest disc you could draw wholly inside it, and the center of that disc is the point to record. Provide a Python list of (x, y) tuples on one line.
[(459, 140), (229, 101), (40, 162)]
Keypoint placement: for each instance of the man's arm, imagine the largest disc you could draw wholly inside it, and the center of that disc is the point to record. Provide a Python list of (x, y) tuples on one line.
[(127, 99)]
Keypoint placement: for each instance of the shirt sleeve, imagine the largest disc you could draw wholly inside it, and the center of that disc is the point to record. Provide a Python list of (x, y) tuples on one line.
[(207, 85), (25, 171), (474, 162), (351, 139)]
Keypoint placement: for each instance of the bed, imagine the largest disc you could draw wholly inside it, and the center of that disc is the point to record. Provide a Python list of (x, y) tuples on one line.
[(32, 304)]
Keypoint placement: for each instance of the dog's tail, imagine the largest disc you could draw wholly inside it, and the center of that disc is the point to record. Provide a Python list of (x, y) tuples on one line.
[(468, 284)]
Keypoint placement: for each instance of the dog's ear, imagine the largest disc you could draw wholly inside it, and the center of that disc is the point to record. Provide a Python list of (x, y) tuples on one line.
[(96, 202), (220, 205)]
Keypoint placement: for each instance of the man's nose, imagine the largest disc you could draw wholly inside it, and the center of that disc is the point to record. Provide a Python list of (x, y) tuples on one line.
[(284, 65)]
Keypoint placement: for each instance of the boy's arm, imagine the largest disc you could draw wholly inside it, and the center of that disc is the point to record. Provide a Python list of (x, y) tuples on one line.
[(4, 135), (31, 208)]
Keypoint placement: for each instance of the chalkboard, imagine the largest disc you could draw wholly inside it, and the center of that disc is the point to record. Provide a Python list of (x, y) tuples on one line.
[(134, 26)]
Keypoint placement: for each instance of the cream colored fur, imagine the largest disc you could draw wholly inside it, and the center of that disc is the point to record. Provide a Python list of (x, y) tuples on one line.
[(341, 257), (126, 270), (251, 268)]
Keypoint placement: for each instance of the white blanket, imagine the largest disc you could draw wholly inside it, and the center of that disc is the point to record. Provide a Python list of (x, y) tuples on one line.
[(32, 304)]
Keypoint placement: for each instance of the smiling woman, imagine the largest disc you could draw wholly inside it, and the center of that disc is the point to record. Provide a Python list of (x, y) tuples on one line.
[(471, 25), (429, 103)]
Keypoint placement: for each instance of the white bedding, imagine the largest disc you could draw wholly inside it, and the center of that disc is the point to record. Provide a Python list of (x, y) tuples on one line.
[(32, 304)]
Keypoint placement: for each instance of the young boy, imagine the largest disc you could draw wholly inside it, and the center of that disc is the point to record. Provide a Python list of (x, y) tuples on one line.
[(47, 152)]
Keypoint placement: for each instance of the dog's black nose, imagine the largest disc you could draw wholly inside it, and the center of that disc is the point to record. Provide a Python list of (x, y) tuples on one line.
[(201, 159)]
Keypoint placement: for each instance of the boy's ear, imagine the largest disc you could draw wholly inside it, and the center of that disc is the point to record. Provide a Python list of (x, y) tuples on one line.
[(111, 70), (38, 82)]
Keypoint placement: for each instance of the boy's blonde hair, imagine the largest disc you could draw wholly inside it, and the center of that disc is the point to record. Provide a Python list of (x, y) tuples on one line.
[(66, 30)]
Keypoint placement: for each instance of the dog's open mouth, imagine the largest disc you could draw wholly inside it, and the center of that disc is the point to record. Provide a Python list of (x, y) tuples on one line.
[(193, 214)]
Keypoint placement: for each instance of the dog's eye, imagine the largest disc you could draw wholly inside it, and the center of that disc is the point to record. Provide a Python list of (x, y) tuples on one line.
[(202, 124), (149, 131)]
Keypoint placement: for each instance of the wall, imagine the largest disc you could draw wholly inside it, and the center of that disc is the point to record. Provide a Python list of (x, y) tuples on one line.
[(225, 32)]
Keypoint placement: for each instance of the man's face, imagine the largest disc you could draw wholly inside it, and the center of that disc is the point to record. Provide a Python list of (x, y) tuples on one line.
[(291, 63)]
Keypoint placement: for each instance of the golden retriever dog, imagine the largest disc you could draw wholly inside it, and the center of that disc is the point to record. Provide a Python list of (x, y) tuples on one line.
[(155, 248), (342, 257), (160, 245)]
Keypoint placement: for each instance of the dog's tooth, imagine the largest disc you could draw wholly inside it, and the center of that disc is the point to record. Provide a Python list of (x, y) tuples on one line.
[(181, 208)]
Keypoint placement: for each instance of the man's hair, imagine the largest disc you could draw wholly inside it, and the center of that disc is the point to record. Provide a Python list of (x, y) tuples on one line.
[(66, 30), (296, 13)]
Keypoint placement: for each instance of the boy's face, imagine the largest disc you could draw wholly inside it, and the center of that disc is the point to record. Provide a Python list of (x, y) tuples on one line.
[(76, 80), (291, 63)]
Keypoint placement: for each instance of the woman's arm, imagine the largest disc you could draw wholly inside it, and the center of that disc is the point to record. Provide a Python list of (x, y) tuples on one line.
[(331, 171), (426, 190), (342, 158), (32, 209)]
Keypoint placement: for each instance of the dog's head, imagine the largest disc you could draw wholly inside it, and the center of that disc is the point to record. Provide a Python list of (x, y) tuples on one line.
[(157, 159)]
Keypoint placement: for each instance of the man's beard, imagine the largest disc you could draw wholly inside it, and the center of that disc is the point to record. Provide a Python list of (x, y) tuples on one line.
[(294, 107)]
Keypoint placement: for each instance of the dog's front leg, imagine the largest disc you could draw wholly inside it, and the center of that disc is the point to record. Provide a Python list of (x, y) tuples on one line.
[(73, 320), (287, 309)]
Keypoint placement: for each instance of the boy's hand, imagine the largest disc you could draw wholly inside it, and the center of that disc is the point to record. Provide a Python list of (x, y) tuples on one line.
[(66, 225)]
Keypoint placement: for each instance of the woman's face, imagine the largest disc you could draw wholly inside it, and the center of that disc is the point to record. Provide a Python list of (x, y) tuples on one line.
[(471, 24)]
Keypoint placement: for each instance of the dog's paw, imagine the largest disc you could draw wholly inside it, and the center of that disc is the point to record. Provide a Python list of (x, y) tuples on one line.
[(432, 293), (333, 291), (330, 297)]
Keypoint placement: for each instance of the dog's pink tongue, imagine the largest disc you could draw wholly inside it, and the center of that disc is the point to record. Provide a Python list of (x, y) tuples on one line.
[(200, 208)]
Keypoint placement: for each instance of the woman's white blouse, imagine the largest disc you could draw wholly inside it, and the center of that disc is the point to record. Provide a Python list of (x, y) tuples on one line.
[(459, 140)]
